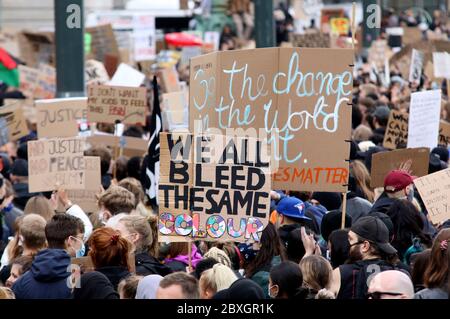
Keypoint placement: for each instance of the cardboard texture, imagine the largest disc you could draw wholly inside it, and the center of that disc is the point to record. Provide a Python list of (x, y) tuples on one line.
[(109, 104), (95, 72), (57, 162), (103, 43), (435, 192), (396, 130), (37, 47), (441, 63), (424, 115), (46, 82), (384, 162), (28, 78), (169, 80), (415, 72), (268, 93), (411, 35), (311, 40), (203, 197), (132, 146), (14, 125), (444, 134), (60, 117)]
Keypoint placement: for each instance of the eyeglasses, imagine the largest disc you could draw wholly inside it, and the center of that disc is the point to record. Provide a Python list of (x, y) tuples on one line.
[(378, 294)]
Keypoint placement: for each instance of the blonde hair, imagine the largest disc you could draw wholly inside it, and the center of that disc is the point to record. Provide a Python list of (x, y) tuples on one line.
[(219, 255), (217, 278), (32, 230), (362, 178), (39, 205), (134, 186), (316, 272), (117, 200), (6, 293), (141, 225)]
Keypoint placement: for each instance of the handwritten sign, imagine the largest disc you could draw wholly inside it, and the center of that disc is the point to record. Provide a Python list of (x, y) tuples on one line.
[(379, 51), (28, 77), (103, 42), (223, 180), (60, 117), (109, 104), (435, 192), (95, 72), (57, 161), (169, 80), (46, 83), (424, 115), (127, 76), (415, 71), (396, 130), (14, 125), (133, 146), (444, 134), (296, 99), (415, 159)]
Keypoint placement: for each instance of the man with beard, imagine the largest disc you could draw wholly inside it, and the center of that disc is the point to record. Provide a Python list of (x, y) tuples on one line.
[(370, 253)]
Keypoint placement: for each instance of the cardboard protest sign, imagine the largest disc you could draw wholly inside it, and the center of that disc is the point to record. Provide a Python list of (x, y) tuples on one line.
[(424, 115), (441, 64), (435, 192), (175, 111), (311, 40), (284, 101), (396, 130), (213, 187), (28, 78), (132, 146), (411, 35), (127, 76), (57, 161), (326, 15), (109, 104), (13, 125), (415, 71), (37, 47), (46, 83), (60, 117), (103, 42), (416, 159), (86, 198), (169, 80), (95, 72), (444, 134)]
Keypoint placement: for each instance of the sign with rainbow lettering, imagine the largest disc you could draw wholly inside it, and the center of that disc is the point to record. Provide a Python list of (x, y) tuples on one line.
[(297, 99), (213, 187)]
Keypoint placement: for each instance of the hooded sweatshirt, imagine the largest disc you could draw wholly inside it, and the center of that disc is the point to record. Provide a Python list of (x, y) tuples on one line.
[(47, 278)]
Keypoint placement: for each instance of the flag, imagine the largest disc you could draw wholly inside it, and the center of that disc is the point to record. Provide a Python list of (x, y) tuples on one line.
[(150, 171), (9, 73)]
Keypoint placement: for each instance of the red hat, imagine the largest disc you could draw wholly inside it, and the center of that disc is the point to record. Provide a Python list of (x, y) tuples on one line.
[(397, 180)]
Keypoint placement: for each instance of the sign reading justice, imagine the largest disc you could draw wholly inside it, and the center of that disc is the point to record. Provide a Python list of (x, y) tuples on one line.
[(298, 99), (213, 187)]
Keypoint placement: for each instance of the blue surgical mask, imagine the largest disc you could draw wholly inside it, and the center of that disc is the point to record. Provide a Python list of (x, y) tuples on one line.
[(80, 252)]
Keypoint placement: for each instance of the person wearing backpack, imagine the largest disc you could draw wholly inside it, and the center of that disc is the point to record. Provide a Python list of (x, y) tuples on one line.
[(370, 253)]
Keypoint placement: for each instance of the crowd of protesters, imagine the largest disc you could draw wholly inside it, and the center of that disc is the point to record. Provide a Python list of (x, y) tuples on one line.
[(388, 247)]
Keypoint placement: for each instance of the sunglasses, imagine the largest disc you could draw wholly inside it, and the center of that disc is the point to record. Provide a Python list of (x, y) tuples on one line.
[(378, 294)]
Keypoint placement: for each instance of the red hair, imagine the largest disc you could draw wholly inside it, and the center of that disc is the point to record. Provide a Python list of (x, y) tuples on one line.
[(108, 248)]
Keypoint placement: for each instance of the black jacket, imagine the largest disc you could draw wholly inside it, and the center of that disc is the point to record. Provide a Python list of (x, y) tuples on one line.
[(149, 265), (382, 204), (114, 273)]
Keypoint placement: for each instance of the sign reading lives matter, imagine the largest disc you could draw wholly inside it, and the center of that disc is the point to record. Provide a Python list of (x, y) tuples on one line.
[(58, 162), (298, 99), (110, 104), (213, 187), (435, 192)]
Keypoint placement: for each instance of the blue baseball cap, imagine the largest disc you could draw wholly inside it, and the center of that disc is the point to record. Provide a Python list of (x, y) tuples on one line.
[(292, 207)]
